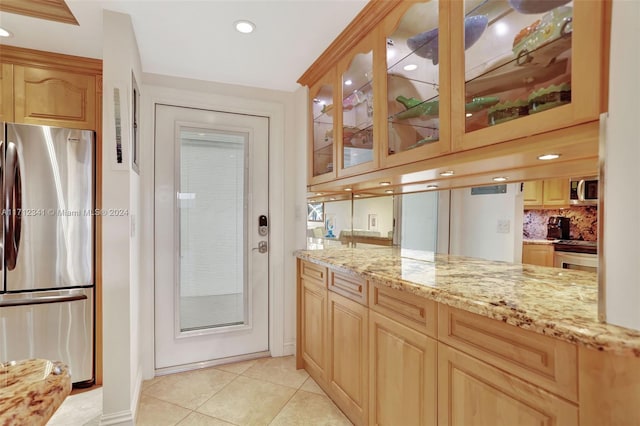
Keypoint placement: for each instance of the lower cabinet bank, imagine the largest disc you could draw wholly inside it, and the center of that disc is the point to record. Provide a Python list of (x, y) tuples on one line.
[(389, 357)]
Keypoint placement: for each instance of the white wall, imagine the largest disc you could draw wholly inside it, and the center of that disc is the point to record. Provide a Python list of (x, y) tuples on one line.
[(621, 233), (420, 221), (474, 224), (342, 212), (382, 207), (120, 239), (286, 111)]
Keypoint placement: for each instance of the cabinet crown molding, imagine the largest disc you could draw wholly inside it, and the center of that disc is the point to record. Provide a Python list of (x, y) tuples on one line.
[(30, 57)]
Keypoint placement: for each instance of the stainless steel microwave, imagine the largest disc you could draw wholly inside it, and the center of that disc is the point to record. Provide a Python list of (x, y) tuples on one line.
[(583, 191)]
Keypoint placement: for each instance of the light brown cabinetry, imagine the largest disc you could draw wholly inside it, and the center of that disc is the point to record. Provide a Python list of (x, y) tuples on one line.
[(6, 92), (54, 98), (403, 374), (546, 194), (538, 254), (323, 131), (435, 94), (312, 320), (407, 360), (348, 344), (471, 392)]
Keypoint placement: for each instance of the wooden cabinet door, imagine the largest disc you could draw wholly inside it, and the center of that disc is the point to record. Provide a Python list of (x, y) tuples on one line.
[(537, 254), (402, 373), (357, 147), (532, 194), (556, 193), (471, 392), (54, 98), (313, 315), (539, 73), (6, 92), (348, 368)]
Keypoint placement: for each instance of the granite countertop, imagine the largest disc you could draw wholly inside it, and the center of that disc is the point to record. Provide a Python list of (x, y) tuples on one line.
[(551, 301), (32, 390), (538, 241)]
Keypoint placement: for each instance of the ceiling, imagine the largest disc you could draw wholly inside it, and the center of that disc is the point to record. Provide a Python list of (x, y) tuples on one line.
[(196, 39)]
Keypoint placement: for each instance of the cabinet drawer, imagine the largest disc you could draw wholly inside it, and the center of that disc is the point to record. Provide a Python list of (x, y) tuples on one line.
[(313, 273), (413, 311), (350, 287), (541, 360)]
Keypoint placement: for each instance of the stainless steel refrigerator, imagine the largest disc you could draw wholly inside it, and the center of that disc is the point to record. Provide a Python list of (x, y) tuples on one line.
[(47, 243)]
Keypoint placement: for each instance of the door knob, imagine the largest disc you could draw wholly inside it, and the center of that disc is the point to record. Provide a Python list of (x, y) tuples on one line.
[(262, 247)]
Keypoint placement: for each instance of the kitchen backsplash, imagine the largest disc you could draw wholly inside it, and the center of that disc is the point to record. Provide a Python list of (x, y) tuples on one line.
[(584, 223)]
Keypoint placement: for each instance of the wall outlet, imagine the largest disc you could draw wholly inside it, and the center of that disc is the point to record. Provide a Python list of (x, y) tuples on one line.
[(504, 226)]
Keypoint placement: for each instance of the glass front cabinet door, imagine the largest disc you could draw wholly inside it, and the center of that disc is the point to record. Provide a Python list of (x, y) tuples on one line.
[(523, 67), (417, 82), (323, 147), (357, 144)]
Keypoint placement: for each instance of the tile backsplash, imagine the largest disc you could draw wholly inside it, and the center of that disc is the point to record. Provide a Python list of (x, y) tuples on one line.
[(583, 219)]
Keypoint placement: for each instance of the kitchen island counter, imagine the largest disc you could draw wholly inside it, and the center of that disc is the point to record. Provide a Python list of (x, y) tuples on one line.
[(550, 301), (32, 390)]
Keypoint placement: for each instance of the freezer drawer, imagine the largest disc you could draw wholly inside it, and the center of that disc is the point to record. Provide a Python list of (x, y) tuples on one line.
[(55, 325)]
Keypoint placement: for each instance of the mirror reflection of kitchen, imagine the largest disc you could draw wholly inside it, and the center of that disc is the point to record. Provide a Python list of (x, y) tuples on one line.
[(550, 222)]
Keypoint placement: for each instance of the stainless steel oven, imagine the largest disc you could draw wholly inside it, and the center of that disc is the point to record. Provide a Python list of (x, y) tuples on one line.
[(579, 261), (573, 254)]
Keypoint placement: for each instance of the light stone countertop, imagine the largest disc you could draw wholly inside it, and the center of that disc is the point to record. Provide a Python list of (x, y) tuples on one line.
[(551, 301), (32, 390), (538, 242)]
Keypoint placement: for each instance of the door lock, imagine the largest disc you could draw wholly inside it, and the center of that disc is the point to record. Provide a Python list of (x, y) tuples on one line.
[(263, 226), (262, 247)]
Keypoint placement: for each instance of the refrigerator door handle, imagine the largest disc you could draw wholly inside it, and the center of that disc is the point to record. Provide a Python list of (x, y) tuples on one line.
[(41, 300), (12, 205)]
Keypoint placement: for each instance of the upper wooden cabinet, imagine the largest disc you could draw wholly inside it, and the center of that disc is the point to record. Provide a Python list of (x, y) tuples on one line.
[(426, 82), (51, 89), (417, 73), (357, 145), (533, 68), (322, 152), (6, 92), (54, 98), (547, 194)]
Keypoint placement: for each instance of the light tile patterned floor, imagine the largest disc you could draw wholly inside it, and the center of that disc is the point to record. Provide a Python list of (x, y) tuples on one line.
[(267, 391)]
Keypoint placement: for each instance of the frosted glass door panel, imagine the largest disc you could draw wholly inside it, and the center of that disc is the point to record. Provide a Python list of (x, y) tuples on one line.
[(212, 229)]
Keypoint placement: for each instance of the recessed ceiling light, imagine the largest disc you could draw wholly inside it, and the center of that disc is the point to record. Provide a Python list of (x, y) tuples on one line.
[(332, 199), (468, 114), (389, 191), (447, 173), (548, 157), (410, 67), (348, 83), (347, 189), (5, 33), (500, 179), (319, 193), (385, 183), (356, 196), (430, 187), (245, 27)]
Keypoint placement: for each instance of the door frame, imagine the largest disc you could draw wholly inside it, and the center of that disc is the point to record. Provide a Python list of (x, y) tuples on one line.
[(275, 112)]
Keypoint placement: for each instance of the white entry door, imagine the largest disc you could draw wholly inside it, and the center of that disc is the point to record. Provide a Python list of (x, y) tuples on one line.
[(212, 192)]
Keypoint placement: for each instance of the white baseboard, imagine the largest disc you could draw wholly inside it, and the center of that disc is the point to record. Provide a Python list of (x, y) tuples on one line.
[(121, 418), (289, 348)]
